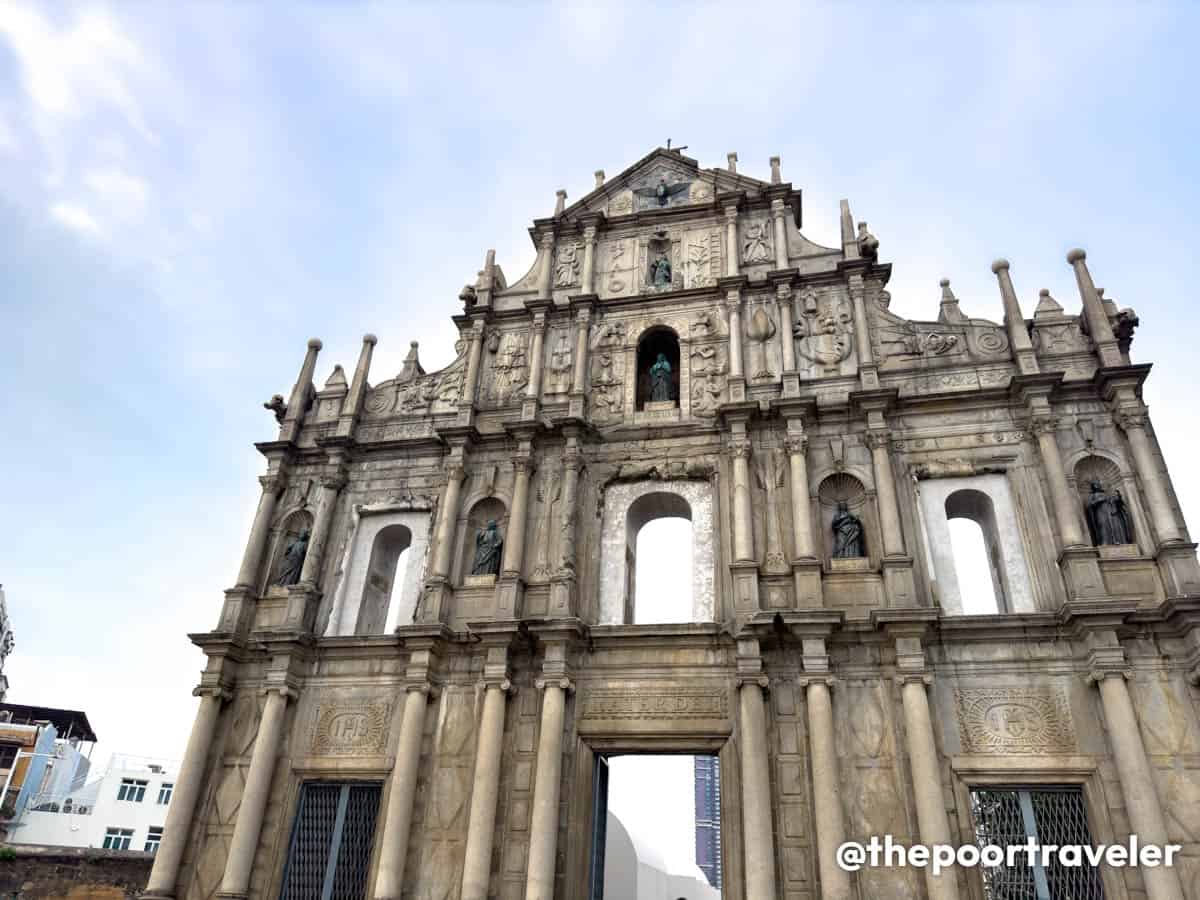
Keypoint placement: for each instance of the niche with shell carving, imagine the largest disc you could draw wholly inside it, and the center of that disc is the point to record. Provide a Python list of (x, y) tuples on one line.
[(1108, 475), (489, 509), (842, 487)]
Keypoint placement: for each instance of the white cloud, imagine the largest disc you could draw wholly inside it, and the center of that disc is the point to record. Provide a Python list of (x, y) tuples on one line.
[(75, 217), (122, 194)]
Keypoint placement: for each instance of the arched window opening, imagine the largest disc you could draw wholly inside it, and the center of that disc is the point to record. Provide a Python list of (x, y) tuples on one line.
[(384, 573), (658, 558), (490, 550), (978, 556), (658, 369)]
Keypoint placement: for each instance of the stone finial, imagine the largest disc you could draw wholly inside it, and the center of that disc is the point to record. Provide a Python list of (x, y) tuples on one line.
[(314, 344), (776, 175), (1076, 255), (1047, 305), (849, 242), (599, 178), (731, 162), (949, 311), (369, 338), (412, 364), (998, 265), (561, 202), (337, 378)]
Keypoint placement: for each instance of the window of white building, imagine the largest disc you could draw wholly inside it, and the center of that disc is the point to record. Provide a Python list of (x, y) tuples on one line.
[(164, 793), (117, 838), (153, 838), (132, 790)]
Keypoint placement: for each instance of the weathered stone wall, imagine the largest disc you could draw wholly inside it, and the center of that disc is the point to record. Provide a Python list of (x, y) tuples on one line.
[(68, 873)]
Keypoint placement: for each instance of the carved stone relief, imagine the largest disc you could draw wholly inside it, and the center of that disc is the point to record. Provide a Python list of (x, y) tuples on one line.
[(656, 703), (558, 372), (1014, 720), (607, 401), (510, 370), (757, 243), (771, 470), (566, 265), (824, 334), (708, 379), (702, 259), (351, 729)]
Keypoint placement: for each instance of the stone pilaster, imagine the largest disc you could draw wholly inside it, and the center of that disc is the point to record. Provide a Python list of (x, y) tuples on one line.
[(178, 824), (896, 563), (806, 564), (438, 590), (757, 831), (783, 301), (733, 307), (1132, 419), (589, 260)]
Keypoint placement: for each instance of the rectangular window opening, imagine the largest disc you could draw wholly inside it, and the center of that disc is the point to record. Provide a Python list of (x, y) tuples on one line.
[(132, 790), (117, 838), (164, 793), (656, 827), (153, 838), (1009, 816), (332, 841)]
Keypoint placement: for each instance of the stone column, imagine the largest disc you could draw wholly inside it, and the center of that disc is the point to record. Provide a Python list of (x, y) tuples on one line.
[(932, 824), (803, 545), (252, 558), (733, 300), (579, 377), (1137, 780), (1098, 324), (1065, 511), (248, 828), (533, 390), (296, 403), (589, 260), (178, 825), (481, 828), (1165, 525), (444, 540), (358, 387), (331, 484), (758, 833), (547, 269), (471, 382), (514, 541), (543, 829), (783, 299), (885, 492), (781, 255), (743, 529), (862, 334), (397, 823), (732, 252), (1014, 321), (827, 800)]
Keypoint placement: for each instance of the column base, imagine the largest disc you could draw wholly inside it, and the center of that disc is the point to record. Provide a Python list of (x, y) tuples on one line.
[(806, 576), (745, 588), (301, 608), (791, 384), (1081, 571), (237, 613), (898, 583), (576, 405), (510, 592), (737, 389), (562, 596), (1180, 569), (232, 895), (435, 600), (466, 415), (529, 409)]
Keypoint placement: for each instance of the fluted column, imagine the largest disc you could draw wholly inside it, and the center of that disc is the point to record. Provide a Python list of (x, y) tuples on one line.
[(514, 541), (743, 533), (1014, 321), (589, 260), (778, 213), (732, 252), (827, 800), (397, 823), (1065, 512), (481, 827), (1163, 516), (248, 828), (447, 517), (252, 558), (1137, 780), (178, 825), (758, 834), (932, 824), (885, 493), (543, 828), (1098, 324)]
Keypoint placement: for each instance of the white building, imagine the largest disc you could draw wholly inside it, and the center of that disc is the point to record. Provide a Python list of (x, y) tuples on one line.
[(635, 869), (124, 809)]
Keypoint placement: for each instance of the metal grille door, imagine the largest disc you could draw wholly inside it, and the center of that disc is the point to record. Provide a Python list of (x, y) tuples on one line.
[(1010, 816), (330, 852)]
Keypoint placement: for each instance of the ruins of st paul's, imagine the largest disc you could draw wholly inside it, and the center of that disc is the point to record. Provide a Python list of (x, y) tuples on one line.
[(680, 349)]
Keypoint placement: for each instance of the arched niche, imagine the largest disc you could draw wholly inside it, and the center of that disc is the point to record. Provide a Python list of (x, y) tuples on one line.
[(1105, 472), (653, 343), (290, 526), (987, 501), (624, 515), (842, 487), (642, 511), (487, 509), (373, 589)]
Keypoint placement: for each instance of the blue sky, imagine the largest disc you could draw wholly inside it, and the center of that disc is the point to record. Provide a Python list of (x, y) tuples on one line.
[(189, 191)]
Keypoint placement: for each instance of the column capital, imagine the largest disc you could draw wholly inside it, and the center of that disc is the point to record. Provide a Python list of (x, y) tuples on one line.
[(523, 464), (272, 483), (454, 469), (1097, 674), (1039, 425), (777, 206), (561, 682), (431, 691), (1129, 419), (739, 447), (730, 209), (828, 680), (334, 476), (903, 678), (796, 444), (287, 691), (222, 692), (761, 681), (878, 438), (503, 684), (547, 239)]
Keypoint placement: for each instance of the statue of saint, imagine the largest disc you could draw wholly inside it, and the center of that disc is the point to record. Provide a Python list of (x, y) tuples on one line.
[(488, 545), (1108, 517), (660, 271), (662, 387), (293, 559), (848, 540)]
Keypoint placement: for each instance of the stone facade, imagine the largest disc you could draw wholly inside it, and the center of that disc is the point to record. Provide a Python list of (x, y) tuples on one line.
[(845, 697)]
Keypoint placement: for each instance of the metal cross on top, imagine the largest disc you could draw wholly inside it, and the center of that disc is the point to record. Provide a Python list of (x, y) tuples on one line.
[(677, 149)]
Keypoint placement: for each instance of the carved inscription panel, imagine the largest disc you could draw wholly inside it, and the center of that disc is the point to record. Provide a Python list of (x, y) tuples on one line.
[(1015, 720), (343, 730), (652, 707)]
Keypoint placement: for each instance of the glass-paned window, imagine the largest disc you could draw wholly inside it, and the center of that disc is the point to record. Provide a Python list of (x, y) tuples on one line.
[(8, 755), (132, 789), (164, 793), (153, 839), (117, 838), (1049, 815)]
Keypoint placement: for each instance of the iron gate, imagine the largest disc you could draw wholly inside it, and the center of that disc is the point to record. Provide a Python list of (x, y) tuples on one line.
[(330, 851), (1050, 815)]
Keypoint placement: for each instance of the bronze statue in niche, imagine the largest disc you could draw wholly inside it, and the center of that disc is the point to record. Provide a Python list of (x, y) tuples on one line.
[(293, 560), (488, 547), (1108, 517), (848, 542)]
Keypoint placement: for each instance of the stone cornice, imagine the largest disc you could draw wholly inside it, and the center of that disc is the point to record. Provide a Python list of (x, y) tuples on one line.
[(1108, 380), (879, 399)]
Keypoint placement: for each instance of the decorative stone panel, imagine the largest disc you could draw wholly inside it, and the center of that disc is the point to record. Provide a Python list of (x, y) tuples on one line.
[(1007, 720)]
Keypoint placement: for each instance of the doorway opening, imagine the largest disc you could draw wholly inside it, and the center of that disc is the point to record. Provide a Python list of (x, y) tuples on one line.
[(656, 828)]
